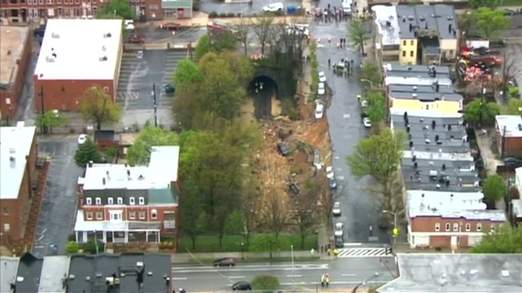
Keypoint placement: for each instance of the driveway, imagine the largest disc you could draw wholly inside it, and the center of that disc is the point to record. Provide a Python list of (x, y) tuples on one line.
[(360, 209), (58, 211)]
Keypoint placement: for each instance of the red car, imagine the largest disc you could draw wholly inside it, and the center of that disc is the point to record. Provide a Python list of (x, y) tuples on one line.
[(171, 26)]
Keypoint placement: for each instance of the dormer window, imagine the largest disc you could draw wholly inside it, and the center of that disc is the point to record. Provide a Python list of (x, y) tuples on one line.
[(88, 201), (141, 200), (120, 200), (98, 201), (132, 201)]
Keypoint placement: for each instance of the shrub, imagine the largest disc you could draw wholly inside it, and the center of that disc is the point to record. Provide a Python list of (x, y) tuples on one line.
[(267, 283), (90, 247), (213, 14), (231, 14), (72, 247)]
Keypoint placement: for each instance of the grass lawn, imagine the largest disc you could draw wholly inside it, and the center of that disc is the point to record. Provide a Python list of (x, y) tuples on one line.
[(511, 2), (231, 243)]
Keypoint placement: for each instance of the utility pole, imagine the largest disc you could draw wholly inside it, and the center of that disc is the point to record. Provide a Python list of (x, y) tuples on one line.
[(155, 104)]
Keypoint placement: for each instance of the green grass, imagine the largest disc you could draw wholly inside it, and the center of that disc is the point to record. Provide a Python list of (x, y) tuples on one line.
[(511, 3), (232, 243)]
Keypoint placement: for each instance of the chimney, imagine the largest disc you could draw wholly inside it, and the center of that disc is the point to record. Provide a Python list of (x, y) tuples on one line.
[(443, 167), (90, 164), (103, 181), (449, 28), (449, 127), (433, 124), (411, 27)]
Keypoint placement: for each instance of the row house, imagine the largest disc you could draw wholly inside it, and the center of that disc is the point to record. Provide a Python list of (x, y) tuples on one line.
[(508, 130), (121, 203)]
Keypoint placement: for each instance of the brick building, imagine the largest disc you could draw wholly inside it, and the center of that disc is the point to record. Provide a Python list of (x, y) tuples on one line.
[(76, 55), (121, 203), (449, 219), (18, 154), (509, 135), (15, 52)]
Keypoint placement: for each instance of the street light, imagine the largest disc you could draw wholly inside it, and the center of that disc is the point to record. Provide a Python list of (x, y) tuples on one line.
[(375, 275), (292, 257), (155, 104)]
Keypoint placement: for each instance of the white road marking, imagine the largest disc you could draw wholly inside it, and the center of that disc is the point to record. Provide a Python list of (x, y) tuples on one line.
[(346, 116), (340, 178), (294, 276), (179, 278), (348, 275), (236, 277)]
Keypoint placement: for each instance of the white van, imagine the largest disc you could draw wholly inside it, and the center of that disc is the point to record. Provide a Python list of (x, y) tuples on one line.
[(347, 6)]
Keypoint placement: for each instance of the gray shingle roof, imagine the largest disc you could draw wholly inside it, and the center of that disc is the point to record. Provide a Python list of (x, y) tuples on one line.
[(435, 20)]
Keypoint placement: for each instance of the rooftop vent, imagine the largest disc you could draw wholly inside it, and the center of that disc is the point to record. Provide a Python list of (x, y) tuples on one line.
[(71, 277), (149, 273), (55, 35), (107, 35), (90, 164), (410, 17), (504, 273), (49, 59), (103, 58), (19, 279), (139, 264), (414, 88), (99, 275), (422, 18), (427, 141), (450, 17)]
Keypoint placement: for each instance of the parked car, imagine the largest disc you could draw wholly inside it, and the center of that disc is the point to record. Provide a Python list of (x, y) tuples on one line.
[(347, 7), (273, 7), (322, 76), (321, 90), (339, 243), (319, 110), (294, 188), (171, 26), (224, 262), (332, 183), (367, 122), (338, 229), (330, 172), (283, 149), (336, 210), (317, 159), (129, 24), (169, 89), (241, 286), (82, 138), (492, 60), (513, 162), (139, 54)]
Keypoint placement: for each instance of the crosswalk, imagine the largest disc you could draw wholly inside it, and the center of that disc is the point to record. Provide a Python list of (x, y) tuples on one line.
[(362, 252)]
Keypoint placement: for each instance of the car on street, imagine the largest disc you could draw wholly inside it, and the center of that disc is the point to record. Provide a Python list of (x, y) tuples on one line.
[(364, 103), (332, 183), (139, 54), (338, 229), (169, 89), (513, 162), (171, 26), (330, 175), (321, 90), (274, 7), (82, 138), (319, 110), (336, 210), (367, 122), (241, 286), (224, 262), (322, 76), (347, 7)]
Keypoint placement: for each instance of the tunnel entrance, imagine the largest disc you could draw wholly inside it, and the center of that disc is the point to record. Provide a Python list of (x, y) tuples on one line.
[(263, 90)]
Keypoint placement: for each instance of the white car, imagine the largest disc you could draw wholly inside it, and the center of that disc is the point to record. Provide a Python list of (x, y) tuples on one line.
[(347, 6), (319, 110), (139, 54), (322, 76), (273, 7), (367, 122), (82, 138), (321, 90), (336, 210), (330, 172), (338, 231)]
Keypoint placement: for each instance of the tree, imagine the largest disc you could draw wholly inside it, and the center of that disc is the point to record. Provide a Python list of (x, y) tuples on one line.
[(514, 107), (358, 33), (371, 75), (262, 27), (187, 73), (86, 152), (242, 30), (234, 223), (505, 240), (305, 209), (139, 152), (480, 113), (376, 107), (265, 282), (116, 9), (72, 247), (484, 3), (490, 23), (193, 219), (50, 120), (495, 188), (203, 46), (98, 107)]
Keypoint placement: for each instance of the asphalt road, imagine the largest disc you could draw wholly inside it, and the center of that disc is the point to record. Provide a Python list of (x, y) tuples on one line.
[(243, 8), (344, 273), (58, 211), (359, 208)]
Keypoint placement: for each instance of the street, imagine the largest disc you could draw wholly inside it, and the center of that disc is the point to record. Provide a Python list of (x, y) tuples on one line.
[(359, 207), (242, 7), (344, 273)]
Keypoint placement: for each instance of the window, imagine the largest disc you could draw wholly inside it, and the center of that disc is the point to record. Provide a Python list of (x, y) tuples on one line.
[(448, 226), (88, 215), (411, 53), (468, 227), (141, 215), (427, 107), (479, 227), (132, 201), (120, 200), (455, 227), (404, 43), (88, 201), (141, 200), (7, 227), (411, 42), (403, 53), (99, 215), (437, 227), (5, 211), (154, 214), (110, 200), (492, 228), (116, 215), (132, 215), (98, 201)]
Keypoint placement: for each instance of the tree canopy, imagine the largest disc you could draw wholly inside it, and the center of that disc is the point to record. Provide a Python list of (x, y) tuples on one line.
[(504, 240), (87, 152), (116, 9), (495, 187), (376, 107), (514, 107), (490, 24), (98, 107), (370, 75), (50, 120), (358, 33), (484, 3), (480, 113), (139, 152)]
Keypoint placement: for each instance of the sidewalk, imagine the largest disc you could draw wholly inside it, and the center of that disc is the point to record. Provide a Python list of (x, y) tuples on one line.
[(277, 256)]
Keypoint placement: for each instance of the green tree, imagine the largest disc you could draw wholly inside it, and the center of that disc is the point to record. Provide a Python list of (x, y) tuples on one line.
[(98, 107), (379, 156), (187, 73), (370, 76), (480, 113), (494, 188), (86, 152), (484, 3), (490, 23), (203, 46), (193, 220), (358, 33), (234, 223), (514, 107), (72, 247), (139, 152), (267, 283), (116, 9), (505, 240), (305, 209), (376, 107), (51, 119)]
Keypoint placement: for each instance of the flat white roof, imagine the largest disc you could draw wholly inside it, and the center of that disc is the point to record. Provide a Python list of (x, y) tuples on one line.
[(161, 171), (512, 123), (387, 24), (80, 49), (82, 225), (8, 270), (408, 154), (449, 204), (15, 145), (402, 80), (54, 269), (425, 113)]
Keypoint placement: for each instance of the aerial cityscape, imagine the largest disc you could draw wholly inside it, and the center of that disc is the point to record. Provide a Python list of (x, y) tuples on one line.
[(260, 145)]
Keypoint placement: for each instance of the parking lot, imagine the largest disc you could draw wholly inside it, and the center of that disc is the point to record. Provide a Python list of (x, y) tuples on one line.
[(137, 76)]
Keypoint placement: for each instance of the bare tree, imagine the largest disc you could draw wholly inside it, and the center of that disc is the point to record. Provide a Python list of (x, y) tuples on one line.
[(305, 209), (263, 29), (242, 29)]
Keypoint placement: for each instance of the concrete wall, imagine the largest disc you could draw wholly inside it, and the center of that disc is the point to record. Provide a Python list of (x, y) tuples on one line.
[(408, 51), (443, 107)]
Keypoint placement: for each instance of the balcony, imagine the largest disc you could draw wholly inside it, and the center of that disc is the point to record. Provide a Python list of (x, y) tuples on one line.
[(144, 226)]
